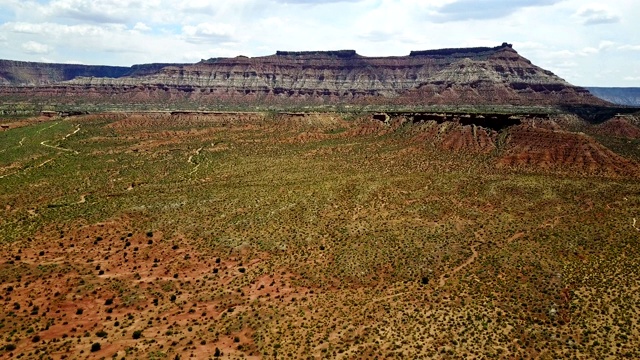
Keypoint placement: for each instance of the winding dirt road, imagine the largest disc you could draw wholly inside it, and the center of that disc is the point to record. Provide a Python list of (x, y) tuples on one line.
[(44, 143), (448, 274), (27, 169), (190, 160), (469, 261)]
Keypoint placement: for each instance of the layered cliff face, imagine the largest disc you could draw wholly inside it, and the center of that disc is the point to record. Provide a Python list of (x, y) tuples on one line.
[(20, 73), (450, 76), (30, 73)]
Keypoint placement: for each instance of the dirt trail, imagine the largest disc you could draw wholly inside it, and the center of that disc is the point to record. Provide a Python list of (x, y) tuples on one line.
[(473, 257), (469, 261), (20, 144), (73, 133), (7, 175), (388, 297), (190, 160), (634, 224), (27, 169), (48, 127), (448, 274), (516, 236), (44, 143)]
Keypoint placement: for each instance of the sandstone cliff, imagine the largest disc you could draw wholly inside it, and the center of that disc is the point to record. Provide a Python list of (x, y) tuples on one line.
[(449, 76)]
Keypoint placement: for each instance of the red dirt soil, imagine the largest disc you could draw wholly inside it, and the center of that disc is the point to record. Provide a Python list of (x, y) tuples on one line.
[(619, 128), (563, 151), (114, 276)]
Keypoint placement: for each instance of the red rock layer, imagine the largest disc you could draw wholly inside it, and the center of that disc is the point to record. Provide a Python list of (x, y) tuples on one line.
[(538, 148), (619, 127), (451, 76)]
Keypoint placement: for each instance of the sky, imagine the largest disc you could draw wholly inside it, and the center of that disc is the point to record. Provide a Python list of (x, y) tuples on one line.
[(588, 43)]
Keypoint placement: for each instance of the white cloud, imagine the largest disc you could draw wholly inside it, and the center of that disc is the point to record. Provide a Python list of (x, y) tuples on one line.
[(562, 54), (598, 16), (314, 2), (124, 32), (487, 9), (92, 11), (589, 51), (208, 33), (529, 45), (33, 47), (629, 47), (196, 55), (140, 26), (567, 64), (380, 35), (22, 28), (606, 44), (54, 30), (603, 46)]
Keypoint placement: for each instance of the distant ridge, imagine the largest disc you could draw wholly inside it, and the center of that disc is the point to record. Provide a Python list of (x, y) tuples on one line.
[(458, 51), (24, 73), (338, 53), (453, 76), (629, 96)]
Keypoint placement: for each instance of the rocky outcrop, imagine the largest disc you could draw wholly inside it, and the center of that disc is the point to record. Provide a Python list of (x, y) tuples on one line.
[(450, 76)]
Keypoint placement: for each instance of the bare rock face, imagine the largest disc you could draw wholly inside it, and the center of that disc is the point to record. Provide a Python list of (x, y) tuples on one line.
[(449, 76)]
